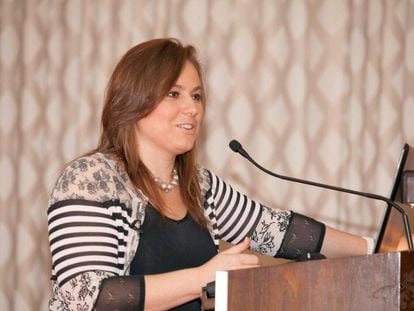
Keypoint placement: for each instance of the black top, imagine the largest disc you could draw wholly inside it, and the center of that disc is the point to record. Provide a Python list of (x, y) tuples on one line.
[(166, 245)]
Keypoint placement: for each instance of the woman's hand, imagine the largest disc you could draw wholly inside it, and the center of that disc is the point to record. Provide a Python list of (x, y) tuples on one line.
[(166, 290), (232, 258)]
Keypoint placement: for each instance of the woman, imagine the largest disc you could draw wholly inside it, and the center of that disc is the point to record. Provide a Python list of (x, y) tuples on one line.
[(136, 222)]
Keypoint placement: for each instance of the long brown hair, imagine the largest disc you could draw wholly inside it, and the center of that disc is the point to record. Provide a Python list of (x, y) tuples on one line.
[(141, 79)]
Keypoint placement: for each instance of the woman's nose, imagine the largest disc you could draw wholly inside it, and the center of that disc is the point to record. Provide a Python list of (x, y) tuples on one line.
[(191, 106)]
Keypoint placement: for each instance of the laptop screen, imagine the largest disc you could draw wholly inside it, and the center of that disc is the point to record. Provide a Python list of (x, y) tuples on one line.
[(392, 226)]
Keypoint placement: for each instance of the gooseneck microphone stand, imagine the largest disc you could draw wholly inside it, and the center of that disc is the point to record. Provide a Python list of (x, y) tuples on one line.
[(237, 147)]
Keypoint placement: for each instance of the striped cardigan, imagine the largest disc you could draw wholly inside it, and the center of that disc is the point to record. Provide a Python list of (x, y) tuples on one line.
[(94, 220)]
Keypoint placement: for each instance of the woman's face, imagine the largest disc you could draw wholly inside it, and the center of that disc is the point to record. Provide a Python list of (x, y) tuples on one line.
[(172, 127)]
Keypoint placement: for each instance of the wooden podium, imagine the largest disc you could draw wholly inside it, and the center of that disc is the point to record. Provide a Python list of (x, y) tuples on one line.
[(382, 281)]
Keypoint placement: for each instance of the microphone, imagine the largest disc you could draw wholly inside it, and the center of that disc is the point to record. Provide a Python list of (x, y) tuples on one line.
[(237, 147)]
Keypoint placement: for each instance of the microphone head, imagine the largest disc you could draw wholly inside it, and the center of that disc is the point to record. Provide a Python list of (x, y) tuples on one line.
[(235, 145)]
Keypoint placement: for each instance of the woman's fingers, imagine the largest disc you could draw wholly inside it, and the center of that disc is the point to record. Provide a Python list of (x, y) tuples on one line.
[(247, 261), (238, 258), (239, 248), (232, 258)]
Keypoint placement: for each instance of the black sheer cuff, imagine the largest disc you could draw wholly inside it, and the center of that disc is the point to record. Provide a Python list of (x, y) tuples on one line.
[(303, 235), (121, 293)]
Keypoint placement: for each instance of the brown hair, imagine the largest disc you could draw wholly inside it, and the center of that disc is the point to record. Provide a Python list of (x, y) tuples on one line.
[(141, 79)]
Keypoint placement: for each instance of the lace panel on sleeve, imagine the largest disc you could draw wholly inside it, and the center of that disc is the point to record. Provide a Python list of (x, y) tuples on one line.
[(121, 293), (303, 235)]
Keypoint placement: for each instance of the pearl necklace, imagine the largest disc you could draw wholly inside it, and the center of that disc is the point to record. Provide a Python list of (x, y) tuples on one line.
[(167, 186)]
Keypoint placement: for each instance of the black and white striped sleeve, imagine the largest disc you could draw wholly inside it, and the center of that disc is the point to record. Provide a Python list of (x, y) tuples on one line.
[(236, 215), (86, 236), (88, 230), (273, 232)]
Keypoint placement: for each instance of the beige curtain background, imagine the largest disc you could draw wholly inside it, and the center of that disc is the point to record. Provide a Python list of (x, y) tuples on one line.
[(316, 89)]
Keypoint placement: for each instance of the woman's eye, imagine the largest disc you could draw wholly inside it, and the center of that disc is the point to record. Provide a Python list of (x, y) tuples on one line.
[(197, 97), (172, 94)]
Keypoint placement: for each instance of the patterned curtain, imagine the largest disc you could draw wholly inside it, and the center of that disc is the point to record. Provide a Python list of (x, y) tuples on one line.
[(321, 90)]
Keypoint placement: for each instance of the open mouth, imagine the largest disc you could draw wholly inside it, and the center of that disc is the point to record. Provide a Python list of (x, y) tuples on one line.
[(186, 126)]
